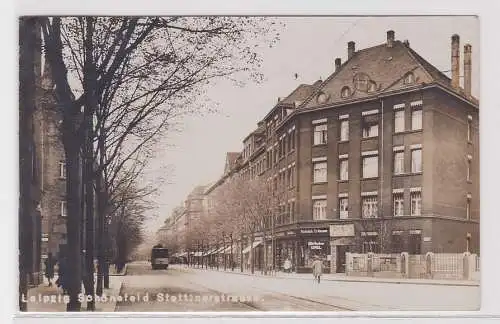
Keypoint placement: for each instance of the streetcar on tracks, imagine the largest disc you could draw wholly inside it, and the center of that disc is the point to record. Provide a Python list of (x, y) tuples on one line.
[(159, 257)]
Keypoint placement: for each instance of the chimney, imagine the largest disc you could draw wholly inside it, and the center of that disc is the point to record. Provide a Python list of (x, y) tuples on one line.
[(455, 59), (406, 43), (467, 69), (350, 49), (390, 38), (338, 63)]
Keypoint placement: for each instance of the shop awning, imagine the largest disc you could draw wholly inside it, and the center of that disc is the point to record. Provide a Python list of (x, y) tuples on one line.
[(182, 254), (252, 246), (197, 254), (209, 252)]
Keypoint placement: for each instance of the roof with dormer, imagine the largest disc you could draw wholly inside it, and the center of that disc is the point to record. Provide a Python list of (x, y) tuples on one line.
[(385, 69)]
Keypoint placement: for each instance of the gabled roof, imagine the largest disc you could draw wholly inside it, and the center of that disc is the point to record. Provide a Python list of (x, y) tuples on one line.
[(231, 158), (296, 97), (386, 67)]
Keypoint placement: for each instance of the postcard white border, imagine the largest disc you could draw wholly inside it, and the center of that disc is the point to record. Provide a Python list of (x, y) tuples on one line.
[(489, 119)]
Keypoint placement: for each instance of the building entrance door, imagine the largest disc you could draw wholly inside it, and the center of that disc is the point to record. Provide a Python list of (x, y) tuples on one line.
[(341, 258)]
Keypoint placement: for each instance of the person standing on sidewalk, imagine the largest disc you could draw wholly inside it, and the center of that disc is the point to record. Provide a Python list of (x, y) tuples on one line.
[(287, 266), (317, 269), (49, 268)]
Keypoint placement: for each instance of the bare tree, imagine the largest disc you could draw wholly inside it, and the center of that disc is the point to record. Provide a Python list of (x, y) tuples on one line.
[(141, 72)]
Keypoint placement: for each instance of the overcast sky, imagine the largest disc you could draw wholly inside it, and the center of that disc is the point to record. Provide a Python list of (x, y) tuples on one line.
[(308, 47)]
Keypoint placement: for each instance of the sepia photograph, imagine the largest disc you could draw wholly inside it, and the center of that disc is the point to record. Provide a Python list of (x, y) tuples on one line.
[(249, 164)]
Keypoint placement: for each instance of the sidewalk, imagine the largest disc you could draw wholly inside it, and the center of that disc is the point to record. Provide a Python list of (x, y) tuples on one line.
[(51, 299), (341, 277)]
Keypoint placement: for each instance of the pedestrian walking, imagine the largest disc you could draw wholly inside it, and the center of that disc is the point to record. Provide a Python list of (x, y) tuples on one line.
[(317, 268), (49, 268), (287, 265)]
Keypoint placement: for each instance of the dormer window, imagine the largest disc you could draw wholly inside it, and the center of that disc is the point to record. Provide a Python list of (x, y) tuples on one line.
[(322, 98), (372, 86), (409, 78), (345, 92)]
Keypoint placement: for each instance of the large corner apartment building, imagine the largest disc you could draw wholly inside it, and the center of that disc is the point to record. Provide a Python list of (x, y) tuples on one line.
[(382, 156)]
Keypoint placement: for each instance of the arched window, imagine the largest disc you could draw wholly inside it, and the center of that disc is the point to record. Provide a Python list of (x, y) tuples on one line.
[(345, 92), (409, 78)]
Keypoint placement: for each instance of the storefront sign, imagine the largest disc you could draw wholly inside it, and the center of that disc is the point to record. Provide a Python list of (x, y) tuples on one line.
[(427, 239), (313, 245), (316, 231), (344, 230), (290, 233)]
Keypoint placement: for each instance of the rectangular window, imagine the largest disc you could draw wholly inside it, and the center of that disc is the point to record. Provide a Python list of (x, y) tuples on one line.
[(370, 244), (399, 121), (62, 170), (320, 134), (467, 209), (344, 208), (469, 129), (64, 208), (399, 162), (370, 207), (319, 209), (398, 199), (416, 203), (469, 162), (397, 243), (319, 172), (292, 211), (292, 176), (416, 119), (292, 139), (370, 166), (344, 130), (416, 160), (370, 126), (344, 169)]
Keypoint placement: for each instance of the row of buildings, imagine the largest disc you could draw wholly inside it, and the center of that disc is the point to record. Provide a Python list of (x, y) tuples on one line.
[(383, 155)]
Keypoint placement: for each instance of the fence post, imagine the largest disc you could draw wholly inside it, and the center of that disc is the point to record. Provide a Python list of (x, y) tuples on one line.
[(428, 264), (467, 265), (404, 265), (369, 264)]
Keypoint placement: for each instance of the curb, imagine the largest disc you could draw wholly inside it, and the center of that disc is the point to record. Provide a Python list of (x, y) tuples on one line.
[(360, 279)]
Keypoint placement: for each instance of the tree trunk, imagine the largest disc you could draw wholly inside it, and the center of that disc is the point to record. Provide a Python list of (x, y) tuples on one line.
[(232, 259), (252, 252), (224, 253), (74, 196), (241, 253), (265, 252), (90, 88)]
